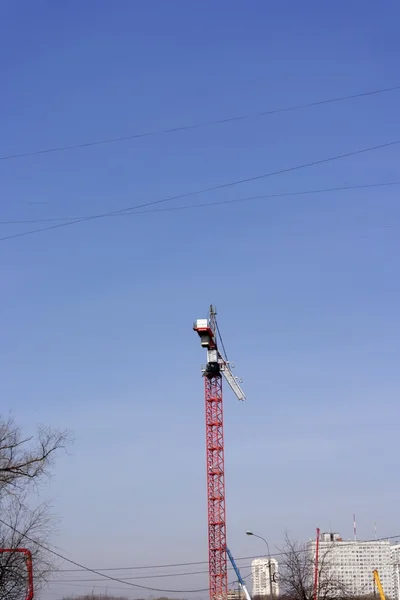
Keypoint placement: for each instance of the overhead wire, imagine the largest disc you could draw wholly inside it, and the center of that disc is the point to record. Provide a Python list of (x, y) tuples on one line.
[(150, 576), (204, 562), (204, 190), (216, 203), (204, 124), (107, 586), (88, 569), (123, 212), (78, 580), (144, 577), (164, 566), (129, 583)]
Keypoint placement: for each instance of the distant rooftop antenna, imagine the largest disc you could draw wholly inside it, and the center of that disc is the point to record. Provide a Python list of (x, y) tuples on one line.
[(375, 530), (354, 528)]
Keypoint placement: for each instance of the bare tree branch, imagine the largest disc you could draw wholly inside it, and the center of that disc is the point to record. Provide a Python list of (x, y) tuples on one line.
[(25, 459), (38, 525), (297, 573), (24, 462)]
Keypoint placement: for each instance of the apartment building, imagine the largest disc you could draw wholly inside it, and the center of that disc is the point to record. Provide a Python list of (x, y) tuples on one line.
[(396, 571), (353, 563), (261, 577), (235, 595)]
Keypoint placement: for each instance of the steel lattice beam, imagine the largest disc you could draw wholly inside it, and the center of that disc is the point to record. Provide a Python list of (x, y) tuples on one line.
[(216, 488)]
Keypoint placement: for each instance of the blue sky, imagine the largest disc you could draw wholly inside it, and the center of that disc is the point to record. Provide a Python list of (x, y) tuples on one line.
[(96, 318)]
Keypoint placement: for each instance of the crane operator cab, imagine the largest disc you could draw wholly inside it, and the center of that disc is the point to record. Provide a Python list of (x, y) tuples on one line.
[(207, 340)]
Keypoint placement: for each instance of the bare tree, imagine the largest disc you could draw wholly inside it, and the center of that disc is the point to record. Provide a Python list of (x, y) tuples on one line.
[(297, 567), (24, 462), (25, 528)]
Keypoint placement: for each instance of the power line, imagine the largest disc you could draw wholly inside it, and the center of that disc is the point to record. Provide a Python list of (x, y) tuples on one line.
[(204, 562), (167, 566), (150, 576), (182, 128), (136, 578), (95, 585), (78, 581), (129, 583), (182, 574), (205, 204), (203, 191), (88, 569), (107, 587)]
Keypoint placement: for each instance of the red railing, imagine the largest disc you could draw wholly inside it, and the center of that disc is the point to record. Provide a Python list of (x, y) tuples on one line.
[(28, 558)]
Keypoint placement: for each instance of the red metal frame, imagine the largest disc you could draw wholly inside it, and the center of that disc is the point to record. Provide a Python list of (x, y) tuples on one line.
[(28, 557), (216, 488)]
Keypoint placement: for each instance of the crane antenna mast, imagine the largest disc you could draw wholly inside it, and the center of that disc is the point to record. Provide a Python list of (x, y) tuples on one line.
[(216, 367)]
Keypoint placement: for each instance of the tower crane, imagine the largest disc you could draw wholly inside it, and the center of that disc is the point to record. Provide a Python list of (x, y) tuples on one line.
[(217, 366)]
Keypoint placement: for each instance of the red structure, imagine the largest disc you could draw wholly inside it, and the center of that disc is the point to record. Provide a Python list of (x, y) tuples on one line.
[(216, 367), (216, 488), (28, 558)]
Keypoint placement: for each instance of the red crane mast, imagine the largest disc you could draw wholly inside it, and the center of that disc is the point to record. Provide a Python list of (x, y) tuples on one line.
[(216, 367)]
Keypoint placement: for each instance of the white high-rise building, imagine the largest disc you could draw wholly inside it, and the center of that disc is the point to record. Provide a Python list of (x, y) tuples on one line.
[(235, 595), (353, 563), (261, 577), (396, 571)]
